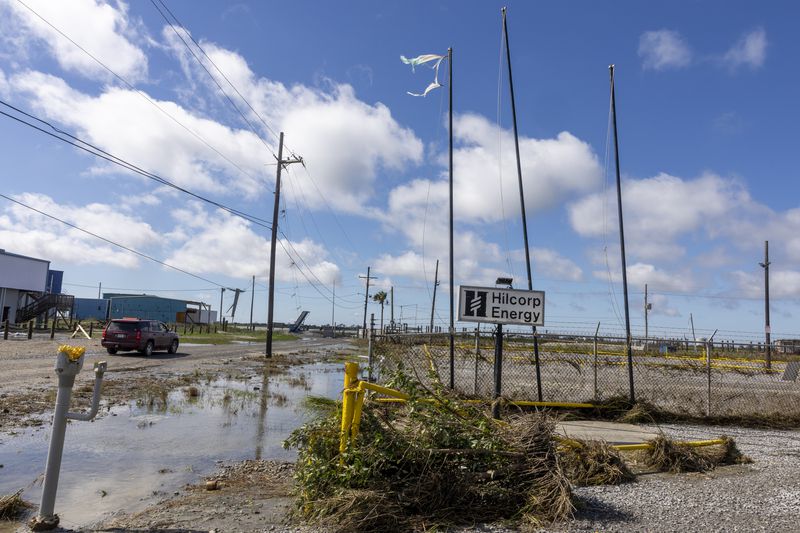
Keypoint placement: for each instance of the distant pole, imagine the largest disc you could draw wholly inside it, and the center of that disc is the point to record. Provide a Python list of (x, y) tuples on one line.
[(333, 310), (646, 309), (435, 284), (274, 241), (452, 275), (391, 309), (694, 338), (252, 300), (622, 239), (767, 331), (522, 202), (221, 292), (366, 300), (99, 289)]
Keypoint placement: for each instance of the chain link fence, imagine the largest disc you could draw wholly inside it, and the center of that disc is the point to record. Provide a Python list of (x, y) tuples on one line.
[(683, 377)]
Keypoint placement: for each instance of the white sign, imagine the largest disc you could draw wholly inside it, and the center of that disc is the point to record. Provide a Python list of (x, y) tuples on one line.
[(501, 306)]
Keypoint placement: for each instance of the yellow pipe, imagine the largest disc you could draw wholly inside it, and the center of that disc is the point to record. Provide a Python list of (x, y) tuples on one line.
[(383, 390), (359, 403), (646, 445), (347, 418), (350, 375)]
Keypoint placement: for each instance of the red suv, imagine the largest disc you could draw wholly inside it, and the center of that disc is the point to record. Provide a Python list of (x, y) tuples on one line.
[(146, 336)]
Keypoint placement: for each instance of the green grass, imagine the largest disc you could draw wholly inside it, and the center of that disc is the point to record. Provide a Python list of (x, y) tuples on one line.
[(228, 337)]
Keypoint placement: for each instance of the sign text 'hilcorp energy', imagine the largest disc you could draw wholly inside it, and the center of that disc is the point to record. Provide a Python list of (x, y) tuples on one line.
[(501, 306)]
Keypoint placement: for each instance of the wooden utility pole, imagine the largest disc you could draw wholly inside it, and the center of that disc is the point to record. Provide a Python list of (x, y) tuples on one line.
[(767, 331), (221, 293), (435, 284), (366, 300), (252, 299), (333, 310), (274, 241), (622, 239)]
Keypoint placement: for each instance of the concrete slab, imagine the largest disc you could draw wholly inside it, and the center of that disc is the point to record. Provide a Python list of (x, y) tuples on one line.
[(611, 432)]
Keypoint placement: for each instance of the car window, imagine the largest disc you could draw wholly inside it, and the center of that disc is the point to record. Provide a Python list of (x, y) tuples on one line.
[(123, 326)]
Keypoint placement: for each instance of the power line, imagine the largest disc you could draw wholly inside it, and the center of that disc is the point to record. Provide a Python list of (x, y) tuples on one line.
[(141, 93), (151, 258), (102, 154)]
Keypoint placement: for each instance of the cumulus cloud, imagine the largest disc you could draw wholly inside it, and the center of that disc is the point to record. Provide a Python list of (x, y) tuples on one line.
[(749, 51), (127, 125), (550, 264), (102, 29), (220, 243), (345, 142), (664, 49), (29, 233), (782, 284), (655, 278), (662, 306)]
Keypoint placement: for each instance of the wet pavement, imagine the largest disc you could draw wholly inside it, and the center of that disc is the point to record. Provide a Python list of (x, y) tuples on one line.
[(149, 449)]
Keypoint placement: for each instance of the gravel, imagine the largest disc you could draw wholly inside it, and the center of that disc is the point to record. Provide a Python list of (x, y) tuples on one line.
[(763, 496)]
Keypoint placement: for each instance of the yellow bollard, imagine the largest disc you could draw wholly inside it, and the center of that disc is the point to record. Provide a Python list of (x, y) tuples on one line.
[(359, 403), (348, 397), (350, 375)]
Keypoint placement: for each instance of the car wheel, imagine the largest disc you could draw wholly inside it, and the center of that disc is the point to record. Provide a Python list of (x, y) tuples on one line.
[(173, 347), (112, 351), (148, 349)]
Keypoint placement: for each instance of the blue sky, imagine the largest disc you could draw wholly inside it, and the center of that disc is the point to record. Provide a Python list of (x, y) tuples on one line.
[(706, 111)]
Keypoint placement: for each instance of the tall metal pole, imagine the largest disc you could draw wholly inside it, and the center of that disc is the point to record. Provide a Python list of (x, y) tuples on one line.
[(435, 284), (452, 276), (767, 331), (522, 201), (99, 289), (391, 308), (622, 239), (273, 243), (333, 310), (221, 293), (646, 309), (252, 300)]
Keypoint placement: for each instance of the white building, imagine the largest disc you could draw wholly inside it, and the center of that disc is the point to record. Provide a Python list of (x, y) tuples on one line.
[(18, 276)]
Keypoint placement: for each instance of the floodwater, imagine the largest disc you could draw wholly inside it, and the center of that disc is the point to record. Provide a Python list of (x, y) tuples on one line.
[(136, 454)]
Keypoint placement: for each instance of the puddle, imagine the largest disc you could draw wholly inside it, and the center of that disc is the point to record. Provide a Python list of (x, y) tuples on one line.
[(135, 455)]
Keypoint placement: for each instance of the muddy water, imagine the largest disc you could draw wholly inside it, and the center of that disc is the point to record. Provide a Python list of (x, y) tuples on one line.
[(137, 454)]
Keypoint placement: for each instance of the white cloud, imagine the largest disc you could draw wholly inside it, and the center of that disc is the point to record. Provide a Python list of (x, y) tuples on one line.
[(664, 49), (220, 243), (659, 210), (550, 264), (749, 51), (661, 306), (123, 123), (29, 233), (782, 284), (103, 29), (656, 279), (345, 142)]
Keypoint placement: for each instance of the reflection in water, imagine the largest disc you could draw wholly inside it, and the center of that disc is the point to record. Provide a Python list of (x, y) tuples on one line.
[(139, 453)]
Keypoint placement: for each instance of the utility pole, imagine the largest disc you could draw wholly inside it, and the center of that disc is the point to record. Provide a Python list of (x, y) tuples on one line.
[(221, 293), (99, 289), (435, 284), (767, 331), (366, 300), (694, 338), (273, 242), (333, 310), (391, 309), (452, 273), (252, 299)]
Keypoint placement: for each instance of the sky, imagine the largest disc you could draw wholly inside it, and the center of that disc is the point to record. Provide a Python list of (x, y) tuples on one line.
[(706, 111)]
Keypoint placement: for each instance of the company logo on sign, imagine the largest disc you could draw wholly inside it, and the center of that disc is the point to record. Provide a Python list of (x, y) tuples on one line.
[(476, 303)]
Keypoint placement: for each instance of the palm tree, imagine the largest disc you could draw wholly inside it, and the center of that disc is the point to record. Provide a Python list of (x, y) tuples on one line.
[(380, 297)]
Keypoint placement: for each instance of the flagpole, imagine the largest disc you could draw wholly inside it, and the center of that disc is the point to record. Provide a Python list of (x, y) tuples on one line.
[(452, 282), (522, 203)]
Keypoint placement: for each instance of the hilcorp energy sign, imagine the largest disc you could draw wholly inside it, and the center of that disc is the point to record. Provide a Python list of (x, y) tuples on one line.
[(501, 306)]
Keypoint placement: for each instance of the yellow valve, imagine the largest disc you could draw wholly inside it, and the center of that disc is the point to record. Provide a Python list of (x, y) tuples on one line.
[(72, 352)]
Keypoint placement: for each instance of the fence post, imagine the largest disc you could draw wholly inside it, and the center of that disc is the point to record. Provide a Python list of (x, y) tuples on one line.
[(53, 328), (5, 330), (595, 360), (369, 345), (708, 373), (498, 371), (477, 357), (30, 329)]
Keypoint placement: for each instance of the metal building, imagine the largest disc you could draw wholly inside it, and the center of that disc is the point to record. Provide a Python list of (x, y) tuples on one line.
[(145, 306), (20, 276), (90, 308)]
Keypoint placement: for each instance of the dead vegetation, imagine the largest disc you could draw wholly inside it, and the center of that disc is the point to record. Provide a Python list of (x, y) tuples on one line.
[(428, 464), (666, 455), (12, 506), (593, 462)]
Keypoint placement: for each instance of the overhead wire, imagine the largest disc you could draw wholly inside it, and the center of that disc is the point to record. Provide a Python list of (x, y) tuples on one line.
[(131, 250), (139, 92)]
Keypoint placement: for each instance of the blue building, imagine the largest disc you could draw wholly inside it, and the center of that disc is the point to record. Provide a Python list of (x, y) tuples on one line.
[(145, 306), (86, 308)]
